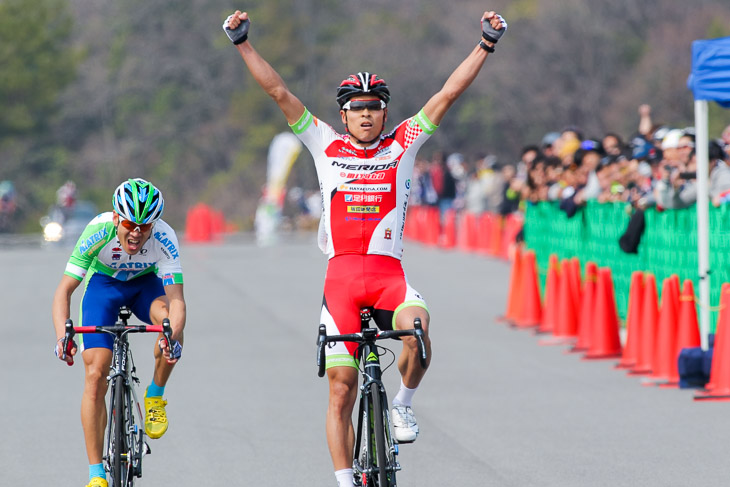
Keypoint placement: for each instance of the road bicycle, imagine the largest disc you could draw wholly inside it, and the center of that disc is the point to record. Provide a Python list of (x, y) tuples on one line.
[(125, 443), (375, 452)]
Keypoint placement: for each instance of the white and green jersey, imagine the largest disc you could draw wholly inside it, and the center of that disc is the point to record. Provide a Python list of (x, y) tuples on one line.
[(99, 250)]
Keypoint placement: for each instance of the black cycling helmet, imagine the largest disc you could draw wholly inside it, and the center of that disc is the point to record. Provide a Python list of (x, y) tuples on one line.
[(362, 83)]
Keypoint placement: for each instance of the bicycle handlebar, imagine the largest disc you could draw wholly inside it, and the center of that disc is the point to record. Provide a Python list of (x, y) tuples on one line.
[(121, 327), (369, 335), (114, 329)]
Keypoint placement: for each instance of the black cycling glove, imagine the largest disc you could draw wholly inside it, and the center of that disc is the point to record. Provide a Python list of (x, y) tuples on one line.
[(491, 34), (239, 34)]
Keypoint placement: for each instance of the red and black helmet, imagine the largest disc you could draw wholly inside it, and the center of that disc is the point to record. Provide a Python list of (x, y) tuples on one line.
[(362, 83)]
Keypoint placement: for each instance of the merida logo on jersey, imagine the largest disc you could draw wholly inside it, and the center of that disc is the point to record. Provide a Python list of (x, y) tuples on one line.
[(167, 243), (94, 239), (365, 167)]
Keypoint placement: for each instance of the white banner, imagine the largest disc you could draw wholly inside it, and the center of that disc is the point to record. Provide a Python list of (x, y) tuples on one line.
[(283, 151)]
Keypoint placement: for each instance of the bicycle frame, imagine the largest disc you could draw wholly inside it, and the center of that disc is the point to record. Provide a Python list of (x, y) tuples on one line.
[(374, 455)]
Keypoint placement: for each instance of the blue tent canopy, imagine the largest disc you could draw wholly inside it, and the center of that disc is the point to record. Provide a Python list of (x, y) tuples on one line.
[(710, 77)]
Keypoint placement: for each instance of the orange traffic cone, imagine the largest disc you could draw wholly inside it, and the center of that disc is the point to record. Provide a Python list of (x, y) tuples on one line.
[(718, 389), (198, 224), (412, 229), (550, 308), (447, 238), (515, 289), (495, 244), (566, 325), (484, 228), (464, 231), (531, 314), (575, 286), (688, 331), (217, 225), (633, 322), (605, 340), (433, 226), (472, 236), (666, 339), (649, 312), (586, 317)]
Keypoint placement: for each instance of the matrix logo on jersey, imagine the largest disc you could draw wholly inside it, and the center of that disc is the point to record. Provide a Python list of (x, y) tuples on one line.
[(363, 198), (364, 188), (93, 240), (363, 209), (167, 244), (365, 167)]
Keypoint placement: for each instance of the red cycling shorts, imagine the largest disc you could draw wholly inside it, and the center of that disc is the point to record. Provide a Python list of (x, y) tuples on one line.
[(356, 281)]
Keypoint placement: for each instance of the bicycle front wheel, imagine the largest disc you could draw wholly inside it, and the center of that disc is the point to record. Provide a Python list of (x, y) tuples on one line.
[(117, 440)]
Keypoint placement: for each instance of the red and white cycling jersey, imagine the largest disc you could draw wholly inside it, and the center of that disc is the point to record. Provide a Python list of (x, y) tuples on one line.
[(364, 190)]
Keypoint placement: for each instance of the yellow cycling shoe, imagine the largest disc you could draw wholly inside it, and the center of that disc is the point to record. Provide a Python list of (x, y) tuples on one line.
[(155, 420), (98, 482)]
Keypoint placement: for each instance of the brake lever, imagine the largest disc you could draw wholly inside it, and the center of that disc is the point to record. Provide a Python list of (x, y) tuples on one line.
[(321, 342), (418, 327), (167, 335), (68, 342)]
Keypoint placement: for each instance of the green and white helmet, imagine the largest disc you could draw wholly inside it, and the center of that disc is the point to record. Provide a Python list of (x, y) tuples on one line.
[(139, 201)]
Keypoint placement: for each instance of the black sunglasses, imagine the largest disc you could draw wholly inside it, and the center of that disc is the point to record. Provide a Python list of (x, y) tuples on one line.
[(359, 105)]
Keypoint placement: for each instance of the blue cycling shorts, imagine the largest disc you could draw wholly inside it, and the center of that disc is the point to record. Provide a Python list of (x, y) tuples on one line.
[(103, 297)]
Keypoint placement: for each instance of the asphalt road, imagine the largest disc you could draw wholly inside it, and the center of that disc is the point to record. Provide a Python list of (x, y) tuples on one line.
[(247, 408)]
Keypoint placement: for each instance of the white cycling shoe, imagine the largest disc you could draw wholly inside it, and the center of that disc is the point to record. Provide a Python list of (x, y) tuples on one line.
[(405, 426)]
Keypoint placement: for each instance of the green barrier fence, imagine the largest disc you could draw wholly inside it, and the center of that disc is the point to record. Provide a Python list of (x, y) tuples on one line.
[(668, 245)]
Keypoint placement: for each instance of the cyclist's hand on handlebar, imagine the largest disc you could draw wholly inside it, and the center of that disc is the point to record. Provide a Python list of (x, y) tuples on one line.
[(71, 349), (171, 353)]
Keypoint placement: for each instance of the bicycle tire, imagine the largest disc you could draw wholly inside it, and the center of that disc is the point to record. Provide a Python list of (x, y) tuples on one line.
[(381, 454), (117, 441), (131, 448)]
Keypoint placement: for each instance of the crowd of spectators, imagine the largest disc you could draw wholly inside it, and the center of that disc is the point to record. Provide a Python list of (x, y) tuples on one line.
[(655, 167)]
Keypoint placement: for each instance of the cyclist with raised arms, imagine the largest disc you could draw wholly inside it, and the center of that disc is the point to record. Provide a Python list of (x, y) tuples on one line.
[(130, 257), (365, 179)]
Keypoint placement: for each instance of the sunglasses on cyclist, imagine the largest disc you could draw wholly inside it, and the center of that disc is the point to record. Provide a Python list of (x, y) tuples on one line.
[(131, 226), (360, 105)]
